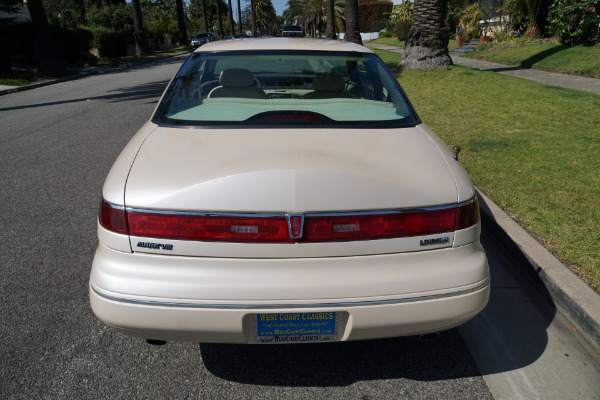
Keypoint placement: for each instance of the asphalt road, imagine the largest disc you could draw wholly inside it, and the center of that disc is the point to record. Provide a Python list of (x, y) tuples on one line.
[(57, 144)]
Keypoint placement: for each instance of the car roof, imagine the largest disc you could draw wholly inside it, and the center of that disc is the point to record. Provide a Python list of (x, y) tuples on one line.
[(279, 43)]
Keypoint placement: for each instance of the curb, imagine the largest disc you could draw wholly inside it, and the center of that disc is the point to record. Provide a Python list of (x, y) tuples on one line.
[(571, 296), (17, 89), (95, 71)]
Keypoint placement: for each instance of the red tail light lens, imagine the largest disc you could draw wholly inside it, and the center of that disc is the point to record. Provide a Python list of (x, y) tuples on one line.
[(467, 214), (112, 218), (209, 228), (379, 226), (275, 228)]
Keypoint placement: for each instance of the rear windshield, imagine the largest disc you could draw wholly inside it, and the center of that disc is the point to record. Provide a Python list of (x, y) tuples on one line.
[(292, 28), (284, 88)]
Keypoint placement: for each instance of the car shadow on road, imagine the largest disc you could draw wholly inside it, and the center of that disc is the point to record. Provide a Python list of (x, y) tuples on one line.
[(513, 330), (341, 364)]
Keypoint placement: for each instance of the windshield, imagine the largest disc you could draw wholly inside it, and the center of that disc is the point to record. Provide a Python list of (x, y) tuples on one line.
[(284, 87)]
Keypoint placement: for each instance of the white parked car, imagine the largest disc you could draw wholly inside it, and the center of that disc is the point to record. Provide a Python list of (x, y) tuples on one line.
[(286, 191)]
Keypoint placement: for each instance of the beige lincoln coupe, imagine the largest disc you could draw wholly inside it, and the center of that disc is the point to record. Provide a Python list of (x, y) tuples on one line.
[(285, 191)]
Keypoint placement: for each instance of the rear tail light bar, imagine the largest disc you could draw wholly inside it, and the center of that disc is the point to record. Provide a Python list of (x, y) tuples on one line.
[(281, 228)]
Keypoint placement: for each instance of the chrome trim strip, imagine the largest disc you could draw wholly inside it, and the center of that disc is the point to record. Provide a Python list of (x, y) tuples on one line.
[(116, 207), (482, 286), (287, 214)]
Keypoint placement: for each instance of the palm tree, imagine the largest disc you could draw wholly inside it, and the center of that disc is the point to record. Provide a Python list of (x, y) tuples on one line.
[(331, 19), (204, 16), (253, 11), (239, 18), (181, 23), (533, 9), (265, 15), (220, 20), (427, 42), (230, 18), (352, 28), (141, 40), (309, 13)]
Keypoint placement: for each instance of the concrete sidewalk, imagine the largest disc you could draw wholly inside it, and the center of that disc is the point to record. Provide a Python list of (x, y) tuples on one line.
[(583, 84), (576, 300)]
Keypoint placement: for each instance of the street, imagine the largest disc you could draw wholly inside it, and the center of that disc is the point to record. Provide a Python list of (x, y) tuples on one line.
[(57, 144)]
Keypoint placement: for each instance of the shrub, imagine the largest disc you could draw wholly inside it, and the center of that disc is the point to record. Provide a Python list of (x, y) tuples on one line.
[(470, 21), (401, 30), (74, 42), (402, 12), (112, 29), (453, 18), (575, 21), (18, 40), (517, 12), (110, 42)]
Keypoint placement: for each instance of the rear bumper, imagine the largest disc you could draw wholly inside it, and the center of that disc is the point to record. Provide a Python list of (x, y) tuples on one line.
[(216, 300)]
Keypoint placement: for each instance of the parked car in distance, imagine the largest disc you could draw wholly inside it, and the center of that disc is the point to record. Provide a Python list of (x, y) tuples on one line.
[(292, 31), (202, 38), (286, 191)]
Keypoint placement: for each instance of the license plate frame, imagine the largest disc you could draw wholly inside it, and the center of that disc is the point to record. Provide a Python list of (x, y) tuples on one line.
[(296, 327)]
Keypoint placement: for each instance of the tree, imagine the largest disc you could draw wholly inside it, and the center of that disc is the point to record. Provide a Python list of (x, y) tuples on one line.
[(533, 9), (264, 16), (427, 42), (309, 13), (230, 18), (352, 28), (217, 3), (181, 23), (239, 10), (253, 13), (48, 54), (141, 41), (331, 20), (204, 16)]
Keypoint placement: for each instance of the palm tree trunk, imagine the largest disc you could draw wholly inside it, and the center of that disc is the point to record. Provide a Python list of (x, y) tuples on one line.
[(253, 9), (239, 18), (181, 23), (141, 40), (217, 2), (352, 29), (427, 42), (230, 18), (48, 54), (204, 16), (331, 20)]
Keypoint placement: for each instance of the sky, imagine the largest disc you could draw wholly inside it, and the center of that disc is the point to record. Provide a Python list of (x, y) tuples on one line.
[(279, 5)]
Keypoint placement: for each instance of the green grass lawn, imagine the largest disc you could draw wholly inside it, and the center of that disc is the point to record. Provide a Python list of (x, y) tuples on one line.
[(14, 81), (578, 60), (390, 41), (533, 149)]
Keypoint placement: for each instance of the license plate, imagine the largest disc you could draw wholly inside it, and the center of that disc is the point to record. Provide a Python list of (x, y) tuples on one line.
[(296, 327)]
